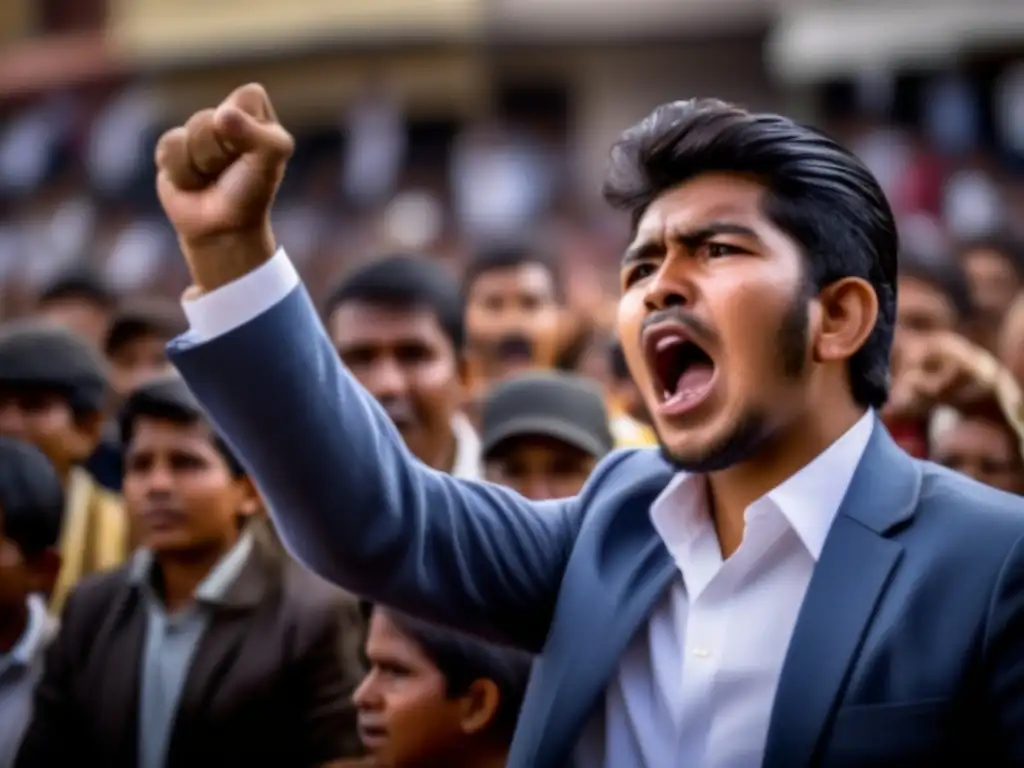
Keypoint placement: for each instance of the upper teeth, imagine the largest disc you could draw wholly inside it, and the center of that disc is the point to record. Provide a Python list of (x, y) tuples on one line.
[(669, 341)]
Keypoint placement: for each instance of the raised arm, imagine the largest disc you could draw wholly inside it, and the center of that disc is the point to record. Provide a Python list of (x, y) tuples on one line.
[(349, 499)]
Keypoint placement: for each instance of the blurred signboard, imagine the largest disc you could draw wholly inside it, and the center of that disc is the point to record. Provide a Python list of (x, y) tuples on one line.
[(623, 19), (169, 30), (824, 40)]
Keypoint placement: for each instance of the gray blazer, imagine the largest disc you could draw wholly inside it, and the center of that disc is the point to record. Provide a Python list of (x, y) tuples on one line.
[(908, 650)]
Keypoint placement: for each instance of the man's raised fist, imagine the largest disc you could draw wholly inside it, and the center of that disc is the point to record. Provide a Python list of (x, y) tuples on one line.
[(216, 178)]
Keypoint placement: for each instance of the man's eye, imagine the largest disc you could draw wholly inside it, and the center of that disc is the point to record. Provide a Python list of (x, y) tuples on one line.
[(639, 272), (717, 250)]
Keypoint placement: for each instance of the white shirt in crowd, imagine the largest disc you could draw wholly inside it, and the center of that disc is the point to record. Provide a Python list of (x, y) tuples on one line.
[(696, 688)]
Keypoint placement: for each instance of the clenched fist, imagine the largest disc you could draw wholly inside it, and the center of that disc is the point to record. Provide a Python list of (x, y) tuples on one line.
[(216, 178)]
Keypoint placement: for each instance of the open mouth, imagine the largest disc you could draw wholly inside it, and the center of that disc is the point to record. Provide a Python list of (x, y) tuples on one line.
[(683, 370), (372, 736)]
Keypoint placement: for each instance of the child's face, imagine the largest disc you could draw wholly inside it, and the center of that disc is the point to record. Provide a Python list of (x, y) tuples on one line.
[(179, 488), (405, 716)]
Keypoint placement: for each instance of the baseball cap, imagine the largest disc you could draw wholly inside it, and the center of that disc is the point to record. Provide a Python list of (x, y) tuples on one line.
[(553, 404)]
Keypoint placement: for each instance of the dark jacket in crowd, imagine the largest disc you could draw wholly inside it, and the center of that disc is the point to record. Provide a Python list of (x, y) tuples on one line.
[(270, 682)]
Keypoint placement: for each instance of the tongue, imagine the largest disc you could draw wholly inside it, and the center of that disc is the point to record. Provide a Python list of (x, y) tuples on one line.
[(696, 377)]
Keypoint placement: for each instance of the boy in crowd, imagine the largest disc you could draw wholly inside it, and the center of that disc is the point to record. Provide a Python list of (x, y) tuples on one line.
[(436, 699), (543, 433), (53, 389), (209, 648), (31, 510)]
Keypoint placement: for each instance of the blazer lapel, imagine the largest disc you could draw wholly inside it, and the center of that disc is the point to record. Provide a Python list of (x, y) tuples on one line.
[(608, 594), (851, 576), (228, 626), (118, 647)]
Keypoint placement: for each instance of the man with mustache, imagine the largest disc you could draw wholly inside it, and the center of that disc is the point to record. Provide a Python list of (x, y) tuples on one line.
[(397, 325), (780, 586), (514, 312)]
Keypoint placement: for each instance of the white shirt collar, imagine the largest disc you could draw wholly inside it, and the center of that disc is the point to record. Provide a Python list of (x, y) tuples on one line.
[(809, 500), (467, 449), (32, 639)]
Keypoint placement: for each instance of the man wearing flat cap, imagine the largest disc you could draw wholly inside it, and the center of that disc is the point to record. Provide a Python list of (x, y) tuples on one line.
[(543, 433)]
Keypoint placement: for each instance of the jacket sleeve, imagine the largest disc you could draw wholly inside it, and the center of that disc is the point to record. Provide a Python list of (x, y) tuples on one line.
[(355, 506)]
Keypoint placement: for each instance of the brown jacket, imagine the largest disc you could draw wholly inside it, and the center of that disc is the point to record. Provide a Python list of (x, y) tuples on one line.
[(270, 683)]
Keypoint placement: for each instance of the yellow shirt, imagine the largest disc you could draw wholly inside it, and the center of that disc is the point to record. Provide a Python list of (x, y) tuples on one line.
[(628, 432), (94, 537)]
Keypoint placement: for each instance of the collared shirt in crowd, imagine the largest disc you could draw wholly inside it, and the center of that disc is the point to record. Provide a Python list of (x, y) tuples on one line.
[(171, 642), (467, 449), (260, 675), (20, 669), (715, 647)]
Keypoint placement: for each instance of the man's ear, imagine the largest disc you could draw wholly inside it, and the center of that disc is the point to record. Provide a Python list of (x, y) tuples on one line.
[(479, 706), (849, 311), (250, 504)]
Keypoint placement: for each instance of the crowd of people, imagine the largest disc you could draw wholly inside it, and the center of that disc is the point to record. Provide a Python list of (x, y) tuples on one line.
[(149, 614)]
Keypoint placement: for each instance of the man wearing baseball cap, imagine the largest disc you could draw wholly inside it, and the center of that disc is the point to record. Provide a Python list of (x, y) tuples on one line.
[(543, 433)]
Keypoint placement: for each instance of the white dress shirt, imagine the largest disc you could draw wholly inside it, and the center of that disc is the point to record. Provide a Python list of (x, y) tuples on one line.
[(695, 688)]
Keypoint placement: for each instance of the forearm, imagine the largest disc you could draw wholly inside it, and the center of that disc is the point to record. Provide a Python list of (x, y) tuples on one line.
[(348, 498)]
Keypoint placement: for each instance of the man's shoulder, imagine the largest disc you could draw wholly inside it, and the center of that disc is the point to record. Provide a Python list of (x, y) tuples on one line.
[(629, 466), (961, 507)]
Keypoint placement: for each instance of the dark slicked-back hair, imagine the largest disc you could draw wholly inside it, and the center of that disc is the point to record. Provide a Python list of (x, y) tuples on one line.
[(405, 282), (816, 192)]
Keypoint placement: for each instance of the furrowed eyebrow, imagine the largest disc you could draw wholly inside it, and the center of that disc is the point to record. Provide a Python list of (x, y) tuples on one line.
[(645, 249)]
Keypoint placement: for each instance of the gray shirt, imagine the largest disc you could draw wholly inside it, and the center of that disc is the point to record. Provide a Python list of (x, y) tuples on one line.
[(20, 670), (171, 642)]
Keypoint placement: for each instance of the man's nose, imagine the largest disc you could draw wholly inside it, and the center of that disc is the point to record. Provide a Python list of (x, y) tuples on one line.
[(364, 695), (386, 379), (669, 287)]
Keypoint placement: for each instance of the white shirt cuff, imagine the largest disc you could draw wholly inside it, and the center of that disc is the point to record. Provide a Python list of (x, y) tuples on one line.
[(233, 305)]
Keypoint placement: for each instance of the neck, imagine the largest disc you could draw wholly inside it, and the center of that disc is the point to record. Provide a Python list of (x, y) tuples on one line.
[(488, 758), (12, 627), (734, 489), (182, 572)]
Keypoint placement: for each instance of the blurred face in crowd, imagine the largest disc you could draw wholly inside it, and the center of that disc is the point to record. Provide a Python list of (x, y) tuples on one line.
[(20, 576), (539, 467), (137, 361), (180, 491), (406, 717), (513, 319), (983, 450), (45, 419), (716, 322), (922, 310), (406, 361), (81, 315), (993, 281)]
